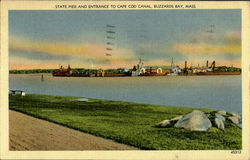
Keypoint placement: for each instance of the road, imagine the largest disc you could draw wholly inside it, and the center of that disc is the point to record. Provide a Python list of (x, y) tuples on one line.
[(29, 133)]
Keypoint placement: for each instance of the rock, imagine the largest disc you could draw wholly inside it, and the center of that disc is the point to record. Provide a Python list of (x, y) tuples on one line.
[(219, 116), (240, 125), (83, 100), (194, 121), (236, 120), (219, 123), (236, 115), (176, 118), (164, 123), (168, 123), (224, 113)]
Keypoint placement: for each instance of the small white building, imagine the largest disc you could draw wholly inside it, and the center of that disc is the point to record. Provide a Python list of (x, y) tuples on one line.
[(176, 69), (142, 71), (123, 70), (159, 70), (198, 69)]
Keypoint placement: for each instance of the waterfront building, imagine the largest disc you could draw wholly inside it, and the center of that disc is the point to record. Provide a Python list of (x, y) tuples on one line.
[(123, 70), (201, 69), (196, 70), (174, 69), (158, 69), (141, 70)]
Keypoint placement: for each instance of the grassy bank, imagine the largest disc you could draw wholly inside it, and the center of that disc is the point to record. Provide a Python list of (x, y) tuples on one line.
[(128, 123)]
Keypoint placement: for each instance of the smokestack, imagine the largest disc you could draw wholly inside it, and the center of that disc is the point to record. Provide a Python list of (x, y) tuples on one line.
[(213, 65), (185, 64), (207, 64)]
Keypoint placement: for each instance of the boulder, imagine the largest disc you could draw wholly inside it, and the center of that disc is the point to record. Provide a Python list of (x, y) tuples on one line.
[(175, 119), (165, 123), (240, 125), (168, 123), (219, 116), (235, 115), (194, 121), (223, 113), (219, 123), (236, 120)]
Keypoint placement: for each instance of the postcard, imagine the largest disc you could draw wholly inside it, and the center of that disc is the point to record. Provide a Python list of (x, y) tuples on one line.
[(124, 80)]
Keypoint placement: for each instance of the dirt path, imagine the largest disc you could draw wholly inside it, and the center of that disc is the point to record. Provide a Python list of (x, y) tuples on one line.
[(29, 133)]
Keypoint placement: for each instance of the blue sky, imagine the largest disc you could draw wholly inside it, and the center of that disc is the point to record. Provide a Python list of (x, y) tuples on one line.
[(45, 39)]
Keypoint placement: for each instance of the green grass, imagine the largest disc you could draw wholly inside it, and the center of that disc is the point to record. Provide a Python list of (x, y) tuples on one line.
[(128, 123)]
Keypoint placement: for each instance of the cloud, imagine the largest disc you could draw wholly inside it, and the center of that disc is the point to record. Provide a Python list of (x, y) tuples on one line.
[(17, 62), (232, 37), (56, 48), (227, 43), (39, 56), (159, 52), (202, 48), (195, 48), (80, 54)]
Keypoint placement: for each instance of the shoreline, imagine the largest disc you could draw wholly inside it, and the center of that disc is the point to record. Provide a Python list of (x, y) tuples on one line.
[(117, 75)]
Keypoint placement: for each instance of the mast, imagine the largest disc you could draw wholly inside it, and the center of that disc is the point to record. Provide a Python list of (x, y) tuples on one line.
[(172, 63)]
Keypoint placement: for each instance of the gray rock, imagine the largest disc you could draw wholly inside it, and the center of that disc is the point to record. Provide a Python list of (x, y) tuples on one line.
[(239, 125), (222, 112), (168, 123), (219, 116), (176, 118), (194, 121), (235, 115), (164, 123), (219, 123), (236, 120)]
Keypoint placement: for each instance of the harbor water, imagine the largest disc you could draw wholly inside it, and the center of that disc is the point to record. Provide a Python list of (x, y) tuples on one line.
[(214, 92)]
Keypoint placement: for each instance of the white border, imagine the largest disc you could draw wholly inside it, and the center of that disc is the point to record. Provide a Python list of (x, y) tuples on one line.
[(199, 155)]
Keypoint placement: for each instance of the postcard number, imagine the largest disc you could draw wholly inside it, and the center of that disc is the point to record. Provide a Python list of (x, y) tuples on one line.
[(236, 152)]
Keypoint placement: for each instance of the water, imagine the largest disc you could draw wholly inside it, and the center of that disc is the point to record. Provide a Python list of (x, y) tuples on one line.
[(214, 92)]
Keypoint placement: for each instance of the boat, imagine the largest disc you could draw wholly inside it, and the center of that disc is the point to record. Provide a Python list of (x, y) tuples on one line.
[(62, 72)]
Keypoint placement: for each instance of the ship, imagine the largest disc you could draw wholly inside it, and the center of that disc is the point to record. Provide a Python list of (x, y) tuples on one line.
[(212, 70), (62, 72), (221, 70)]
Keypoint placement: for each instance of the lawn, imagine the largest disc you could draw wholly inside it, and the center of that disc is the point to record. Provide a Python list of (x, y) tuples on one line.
[(128, 123)]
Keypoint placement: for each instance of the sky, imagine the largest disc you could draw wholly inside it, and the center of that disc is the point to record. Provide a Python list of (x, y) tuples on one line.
[(47, 39)]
